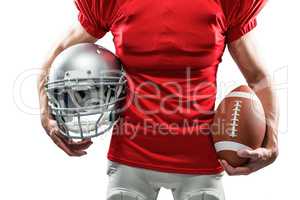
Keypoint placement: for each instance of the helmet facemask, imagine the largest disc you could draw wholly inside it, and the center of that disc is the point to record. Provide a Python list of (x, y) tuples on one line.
[(86, 108)]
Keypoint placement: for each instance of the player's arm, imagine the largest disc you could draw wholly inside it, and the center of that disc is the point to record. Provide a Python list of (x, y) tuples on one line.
[(73, 36), (244, 53)]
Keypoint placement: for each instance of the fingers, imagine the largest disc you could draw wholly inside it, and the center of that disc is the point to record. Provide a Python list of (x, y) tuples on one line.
[(62, 144), (232, 171), (80, 145), (65, 145), (246, 153), (81, 142), (259, 158), (257, 154), (69, 146), (252, 154)]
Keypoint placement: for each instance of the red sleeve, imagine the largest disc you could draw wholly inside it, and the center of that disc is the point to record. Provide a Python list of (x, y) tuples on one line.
[(241, 16), (91, 17)]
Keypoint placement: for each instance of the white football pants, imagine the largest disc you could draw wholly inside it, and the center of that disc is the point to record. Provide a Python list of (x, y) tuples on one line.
[(130, 183)]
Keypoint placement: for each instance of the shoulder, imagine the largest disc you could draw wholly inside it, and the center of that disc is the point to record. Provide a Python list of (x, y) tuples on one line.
[(239, 7), (230, 4)]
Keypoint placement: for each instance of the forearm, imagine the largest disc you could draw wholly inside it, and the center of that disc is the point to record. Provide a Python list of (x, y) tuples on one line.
[(245, 54), (42, 79), (266, 93), (74, 36)]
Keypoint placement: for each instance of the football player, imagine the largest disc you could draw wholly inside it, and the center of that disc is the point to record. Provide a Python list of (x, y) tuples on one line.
[(170, 51)]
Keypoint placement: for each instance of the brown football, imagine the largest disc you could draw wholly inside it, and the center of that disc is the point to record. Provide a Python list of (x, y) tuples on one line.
[(239, 123)]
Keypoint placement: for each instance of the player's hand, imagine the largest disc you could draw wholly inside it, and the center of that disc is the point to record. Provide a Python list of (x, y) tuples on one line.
[(258, 159), (69, 146)]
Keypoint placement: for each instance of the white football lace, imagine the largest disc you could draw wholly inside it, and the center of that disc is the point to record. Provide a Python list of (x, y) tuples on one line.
[(235, 118)]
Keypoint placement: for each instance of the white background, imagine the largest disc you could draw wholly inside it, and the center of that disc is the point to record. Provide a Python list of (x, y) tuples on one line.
[(31, 167)]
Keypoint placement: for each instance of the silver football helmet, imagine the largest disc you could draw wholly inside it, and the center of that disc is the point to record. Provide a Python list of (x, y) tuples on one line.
[(85, 89)]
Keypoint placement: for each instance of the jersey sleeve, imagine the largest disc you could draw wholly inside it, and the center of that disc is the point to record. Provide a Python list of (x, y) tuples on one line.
[(91, 17), (241, 16)]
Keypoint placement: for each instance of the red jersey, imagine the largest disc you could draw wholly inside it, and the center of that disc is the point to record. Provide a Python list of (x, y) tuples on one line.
[(170, 50)]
